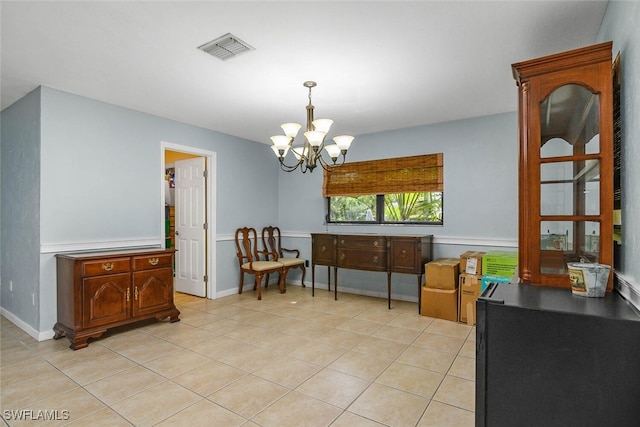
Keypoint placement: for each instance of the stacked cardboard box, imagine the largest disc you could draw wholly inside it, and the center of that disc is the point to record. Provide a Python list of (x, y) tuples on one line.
[(470, 286), (471, 263), (470, 290), (440, 291)]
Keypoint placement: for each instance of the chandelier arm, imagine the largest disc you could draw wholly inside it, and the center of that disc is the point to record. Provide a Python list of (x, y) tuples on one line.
[(330, 166), (288, 168)]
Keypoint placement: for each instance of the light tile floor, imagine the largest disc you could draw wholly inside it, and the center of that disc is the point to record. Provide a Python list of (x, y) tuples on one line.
[(288, 360)]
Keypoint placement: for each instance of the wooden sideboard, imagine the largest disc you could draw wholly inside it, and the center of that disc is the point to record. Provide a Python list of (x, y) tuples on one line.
[(370, 252), (101, 290)]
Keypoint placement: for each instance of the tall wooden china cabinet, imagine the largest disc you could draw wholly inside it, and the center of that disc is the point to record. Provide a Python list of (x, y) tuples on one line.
[(566, 163)]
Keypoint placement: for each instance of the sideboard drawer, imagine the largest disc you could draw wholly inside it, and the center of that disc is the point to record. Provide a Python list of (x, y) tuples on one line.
[(363, 242), (152, 261), (105, 266), (359, 259)]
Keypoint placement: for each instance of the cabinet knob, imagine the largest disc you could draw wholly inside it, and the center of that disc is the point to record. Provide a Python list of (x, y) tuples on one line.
[(403, 253), (154, 261), (107, 266)]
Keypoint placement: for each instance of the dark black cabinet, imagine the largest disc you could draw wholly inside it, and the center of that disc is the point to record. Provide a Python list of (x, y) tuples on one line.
[(545, 357)]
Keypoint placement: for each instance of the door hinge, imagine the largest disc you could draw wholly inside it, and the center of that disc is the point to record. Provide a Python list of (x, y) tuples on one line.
[(205, 174), (205, 226), (206, 279)]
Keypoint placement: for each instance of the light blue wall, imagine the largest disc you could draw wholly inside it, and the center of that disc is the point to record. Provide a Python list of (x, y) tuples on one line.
[(621, 24), (480, 193), (20, 208), (101, 176)]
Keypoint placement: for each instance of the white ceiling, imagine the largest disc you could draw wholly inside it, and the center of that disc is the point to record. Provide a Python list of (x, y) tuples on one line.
[(379, 65)]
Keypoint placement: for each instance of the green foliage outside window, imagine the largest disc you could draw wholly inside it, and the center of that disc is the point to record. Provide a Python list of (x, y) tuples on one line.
[(352, 209), (393, 208)]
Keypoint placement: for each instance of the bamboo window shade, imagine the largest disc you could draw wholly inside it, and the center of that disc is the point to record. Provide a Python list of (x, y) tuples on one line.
[(415, 174)]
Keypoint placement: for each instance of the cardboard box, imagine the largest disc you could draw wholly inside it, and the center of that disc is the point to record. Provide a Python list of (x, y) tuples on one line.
[(471, 283), (442, 273), (439, 303), (467, 307), (469, 291), (471, 263), (499, 263)]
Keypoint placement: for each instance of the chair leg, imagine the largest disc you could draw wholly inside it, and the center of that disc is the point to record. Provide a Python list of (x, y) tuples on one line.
[(241, 282), (266, 280), (304, 273), (259, 284), (282, 280)]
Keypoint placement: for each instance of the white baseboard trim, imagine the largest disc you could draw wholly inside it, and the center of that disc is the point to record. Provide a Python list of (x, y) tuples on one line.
[(28, 329), (47, 248)]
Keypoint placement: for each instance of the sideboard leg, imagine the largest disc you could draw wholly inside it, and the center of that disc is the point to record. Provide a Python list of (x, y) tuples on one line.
[(389, 289), (420, 293)]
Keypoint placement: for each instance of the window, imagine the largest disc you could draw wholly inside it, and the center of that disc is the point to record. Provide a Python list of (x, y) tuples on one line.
[(405, 190)]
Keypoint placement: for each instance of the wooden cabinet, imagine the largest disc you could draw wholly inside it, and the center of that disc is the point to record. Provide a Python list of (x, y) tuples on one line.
[(398, 254), (565, 173), (98, 291)]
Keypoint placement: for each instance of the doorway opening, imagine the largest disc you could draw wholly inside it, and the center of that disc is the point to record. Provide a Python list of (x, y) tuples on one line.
[(194, 207)]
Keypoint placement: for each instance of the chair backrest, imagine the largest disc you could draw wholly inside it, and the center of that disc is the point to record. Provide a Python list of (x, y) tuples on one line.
[(247, 245), (271, 240)]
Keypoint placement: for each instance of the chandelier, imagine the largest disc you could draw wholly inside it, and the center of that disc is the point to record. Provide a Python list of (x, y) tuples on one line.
[(309, 154)]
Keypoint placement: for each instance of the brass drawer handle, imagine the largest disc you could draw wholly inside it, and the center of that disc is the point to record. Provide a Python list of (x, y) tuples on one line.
[(375, 243), (154, 261), (375, 259), (323, 249), (107, 266), (342, 242), (403, 253), (128, 294), (136, 294), (342, 257)]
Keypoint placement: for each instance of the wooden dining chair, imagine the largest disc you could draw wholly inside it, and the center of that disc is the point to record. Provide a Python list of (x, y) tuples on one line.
[(272, 242), (250, 262)]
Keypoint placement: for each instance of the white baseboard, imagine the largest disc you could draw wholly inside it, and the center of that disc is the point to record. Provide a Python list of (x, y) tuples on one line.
[(28, 329)]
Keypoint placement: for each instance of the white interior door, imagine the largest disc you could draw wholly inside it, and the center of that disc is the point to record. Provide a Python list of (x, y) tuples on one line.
[(190, 184)]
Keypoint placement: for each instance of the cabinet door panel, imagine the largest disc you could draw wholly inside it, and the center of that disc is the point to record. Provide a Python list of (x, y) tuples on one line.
[(405, 255), (153, 291), (324, 250), (106, 299)]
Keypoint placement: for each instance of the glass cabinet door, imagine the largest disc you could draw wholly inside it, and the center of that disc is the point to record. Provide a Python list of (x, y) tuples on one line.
[(569, 177)]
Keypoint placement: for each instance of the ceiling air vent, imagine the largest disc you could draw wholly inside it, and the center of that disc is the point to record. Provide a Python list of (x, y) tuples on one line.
[(226, 47)]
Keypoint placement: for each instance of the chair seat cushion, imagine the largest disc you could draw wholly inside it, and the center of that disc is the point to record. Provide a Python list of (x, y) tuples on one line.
[(288, 262), (263, 265)]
